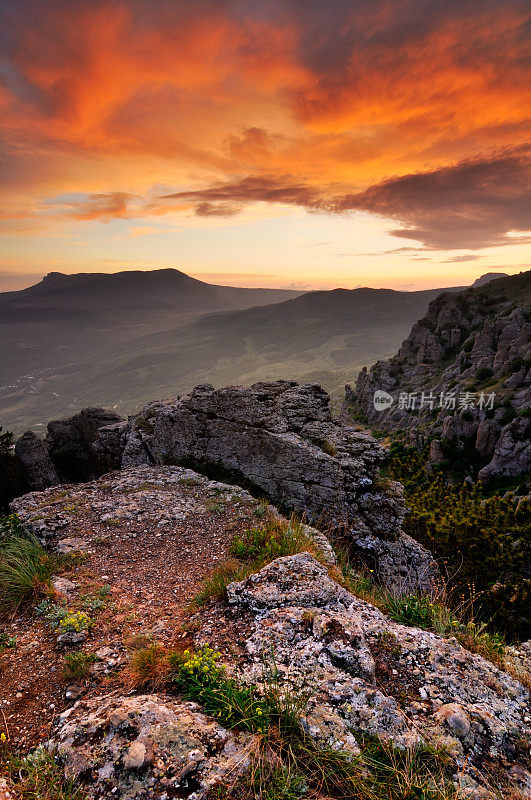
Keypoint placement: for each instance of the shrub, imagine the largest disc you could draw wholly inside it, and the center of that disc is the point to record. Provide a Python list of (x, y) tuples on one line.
[(215, 587), (25, 569), (74, 622), (252, 550), (148, 666), (37, 776), (414, 610), (77, 665), (482, 541), (288, 761)]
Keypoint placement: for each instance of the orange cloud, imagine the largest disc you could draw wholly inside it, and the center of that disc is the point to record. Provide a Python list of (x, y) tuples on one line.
[(144, 107)]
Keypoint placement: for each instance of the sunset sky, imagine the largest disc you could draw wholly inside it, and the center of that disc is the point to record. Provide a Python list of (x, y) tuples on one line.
[(289, 143)]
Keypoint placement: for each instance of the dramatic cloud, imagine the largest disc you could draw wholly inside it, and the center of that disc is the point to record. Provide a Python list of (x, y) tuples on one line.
[(229, 198), (416, 112), (472, 204), (468, 205)]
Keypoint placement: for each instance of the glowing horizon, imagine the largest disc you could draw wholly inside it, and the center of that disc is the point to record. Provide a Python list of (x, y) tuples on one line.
[(285, 144)]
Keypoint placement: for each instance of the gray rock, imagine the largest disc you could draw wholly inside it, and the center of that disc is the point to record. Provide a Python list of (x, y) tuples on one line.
[(475, 330), (512, 452), (278, 438), (70, 443), (35, 459), (143, 746), (366, 673)]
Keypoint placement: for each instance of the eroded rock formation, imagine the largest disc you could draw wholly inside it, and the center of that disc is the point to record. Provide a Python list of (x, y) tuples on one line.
[(475, 342), (369, 674)]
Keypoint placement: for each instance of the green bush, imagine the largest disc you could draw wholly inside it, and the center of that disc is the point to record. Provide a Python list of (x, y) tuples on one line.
[(481, 542), (252, 550), (414, 610), (288, 761), (77, 665), (25, 567), (37, 776)]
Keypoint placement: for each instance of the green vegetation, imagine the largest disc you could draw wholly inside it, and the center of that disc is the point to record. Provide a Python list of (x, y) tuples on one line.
[(481, 541), (96, 601), (77, 665), (62, 619), (254, 549), (287, 762), (36, 776), (422, 611), (25, 567), (148, 666)]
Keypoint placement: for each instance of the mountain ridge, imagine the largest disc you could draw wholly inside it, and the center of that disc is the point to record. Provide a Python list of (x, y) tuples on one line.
[(64, 347), (469, 345)]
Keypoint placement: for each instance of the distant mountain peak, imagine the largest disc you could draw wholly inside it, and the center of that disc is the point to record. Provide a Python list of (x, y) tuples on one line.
[(488, 277)]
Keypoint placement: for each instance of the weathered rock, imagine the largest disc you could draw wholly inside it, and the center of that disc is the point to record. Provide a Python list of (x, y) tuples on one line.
[(70, 443), (63, 586), (277, 438), (404, 566), (512, 452), (146, 746), (35, 459), (482, 339), (487, 435), (455, 717), (372, 675)]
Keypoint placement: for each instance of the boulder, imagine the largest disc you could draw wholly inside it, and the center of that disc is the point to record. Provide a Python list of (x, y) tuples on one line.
[(146, 746), (368, 674), (278, 438), (512, 452), (36, 462), (70, 443)]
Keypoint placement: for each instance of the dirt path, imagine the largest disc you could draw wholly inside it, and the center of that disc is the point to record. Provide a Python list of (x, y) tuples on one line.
[(148, 537)]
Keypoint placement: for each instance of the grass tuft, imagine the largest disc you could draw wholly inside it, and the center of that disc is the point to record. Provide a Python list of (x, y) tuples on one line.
[(37, 776), (253, 550), (25, 571), (77, 665), (288, 763), (148, 667)]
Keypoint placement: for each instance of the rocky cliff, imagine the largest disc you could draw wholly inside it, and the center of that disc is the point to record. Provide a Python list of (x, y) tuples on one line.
[(460, 381), (145, 539), (278, 439)]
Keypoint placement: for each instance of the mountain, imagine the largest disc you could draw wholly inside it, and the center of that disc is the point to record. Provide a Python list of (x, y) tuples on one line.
[(469, 357), (118, 296), (487, 278), (121, 340)]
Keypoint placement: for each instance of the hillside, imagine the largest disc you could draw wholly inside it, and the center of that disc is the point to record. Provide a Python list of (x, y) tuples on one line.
[(121, 340), (471, 357), (177, 636)]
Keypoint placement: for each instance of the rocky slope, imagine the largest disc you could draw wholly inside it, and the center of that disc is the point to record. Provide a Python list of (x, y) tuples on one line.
[(461, 380), (279, 439), (151, 534)]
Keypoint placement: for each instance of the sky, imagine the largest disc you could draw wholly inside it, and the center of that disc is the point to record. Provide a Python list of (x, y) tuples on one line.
[(289, 143)]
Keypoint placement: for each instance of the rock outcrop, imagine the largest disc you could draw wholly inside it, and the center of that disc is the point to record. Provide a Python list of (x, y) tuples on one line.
[(462, 377), (35, 459), (146, 746), (278, 439), (366, 673), (70, 443)]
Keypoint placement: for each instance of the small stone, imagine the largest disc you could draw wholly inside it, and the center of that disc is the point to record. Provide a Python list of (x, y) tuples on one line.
[(455, 717), (135, 756)]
